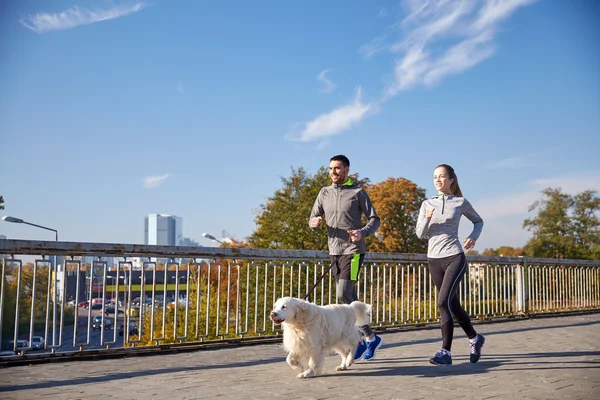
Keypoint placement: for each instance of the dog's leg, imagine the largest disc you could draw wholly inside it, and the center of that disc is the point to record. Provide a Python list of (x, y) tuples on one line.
[(347, 359), (315, 364), (295, 362)]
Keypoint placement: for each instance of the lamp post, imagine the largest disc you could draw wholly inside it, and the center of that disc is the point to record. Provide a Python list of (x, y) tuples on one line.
[(14, 220), (211, 237), (20, 221)]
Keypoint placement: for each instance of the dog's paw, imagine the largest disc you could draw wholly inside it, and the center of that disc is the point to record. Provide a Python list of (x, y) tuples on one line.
[(306, 374), (340, 368)]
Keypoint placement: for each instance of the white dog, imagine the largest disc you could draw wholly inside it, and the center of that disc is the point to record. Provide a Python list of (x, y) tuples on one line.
[(310, 332)]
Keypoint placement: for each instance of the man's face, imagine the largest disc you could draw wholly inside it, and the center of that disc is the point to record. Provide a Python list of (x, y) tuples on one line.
[(338, 172)]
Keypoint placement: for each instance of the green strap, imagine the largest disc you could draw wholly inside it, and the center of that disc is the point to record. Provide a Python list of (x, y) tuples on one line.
[(354, 266)]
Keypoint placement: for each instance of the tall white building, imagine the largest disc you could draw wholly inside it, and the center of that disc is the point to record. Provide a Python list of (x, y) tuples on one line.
[(163, 229)]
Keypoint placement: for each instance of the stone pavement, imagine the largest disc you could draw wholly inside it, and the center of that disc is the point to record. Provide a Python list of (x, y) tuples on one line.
[(544, 358)]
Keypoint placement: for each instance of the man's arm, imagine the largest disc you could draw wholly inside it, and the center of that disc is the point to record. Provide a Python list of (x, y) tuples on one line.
[(316, 215), (368, 210)]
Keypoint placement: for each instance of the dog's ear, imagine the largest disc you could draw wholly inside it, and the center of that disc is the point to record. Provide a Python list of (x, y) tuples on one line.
[(303, 310)]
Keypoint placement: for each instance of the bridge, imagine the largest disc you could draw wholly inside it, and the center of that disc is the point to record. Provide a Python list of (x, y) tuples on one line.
[(214, 339), (538, 358)]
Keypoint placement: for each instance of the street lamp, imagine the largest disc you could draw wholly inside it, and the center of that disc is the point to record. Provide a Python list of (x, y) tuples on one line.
[(211, 237), (14, 220), (20, 221)]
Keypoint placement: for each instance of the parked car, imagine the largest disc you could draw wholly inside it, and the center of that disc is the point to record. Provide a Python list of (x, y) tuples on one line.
[(37, 342), (133, 329), (96, 304), (110, 309), (83, 304), (97, 323), (21, 345)]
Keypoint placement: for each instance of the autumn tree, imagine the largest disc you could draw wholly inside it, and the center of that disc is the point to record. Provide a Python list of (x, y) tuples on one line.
[(565, 227), (397, 201), (504, 251)]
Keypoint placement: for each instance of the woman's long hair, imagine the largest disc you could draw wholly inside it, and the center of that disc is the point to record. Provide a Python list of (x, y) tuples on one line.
[(454, 188)]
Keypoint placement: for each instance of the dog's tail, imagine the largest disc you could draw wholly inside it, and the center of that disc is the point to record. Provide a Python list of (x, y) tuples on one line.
[(362, 312)]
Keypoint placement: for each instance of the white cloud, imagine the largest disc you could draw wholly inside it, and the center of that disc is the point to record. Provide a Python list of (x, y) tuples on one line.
[(511, 163), (382, 13), (503, 215), (332, 123), (444, 38), (328, 86), (179, 87), (376, 45), (76, 16), (154, 181), (439, 38), (517, 203)]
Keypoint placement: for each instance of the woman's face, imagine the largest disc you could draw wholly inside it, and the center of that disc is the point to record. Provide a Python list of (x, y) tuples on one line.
[(441, 181)]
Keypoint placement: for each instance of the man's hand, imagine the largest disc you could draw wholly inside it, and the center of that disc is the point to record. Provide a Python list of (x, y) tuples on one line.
[(355, 235), (315, 222)]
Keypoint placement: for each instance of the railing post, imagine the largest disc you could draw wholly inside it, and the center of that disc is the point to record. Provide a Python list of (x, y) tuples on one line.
[(522, 287)]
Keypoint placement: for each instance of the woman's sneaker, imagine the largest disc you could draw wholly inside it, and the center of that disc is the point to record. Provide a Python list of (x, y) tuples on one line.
[(442, 357), (476, 348)]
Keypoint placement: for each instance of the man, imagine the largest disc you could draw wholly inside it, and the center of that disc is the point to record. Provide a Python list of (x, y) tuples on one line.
[(343, 204)]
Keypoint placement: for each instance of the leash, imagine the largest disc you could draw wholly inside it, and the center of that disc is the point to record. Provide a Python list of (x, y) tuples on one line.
[(317, 282)]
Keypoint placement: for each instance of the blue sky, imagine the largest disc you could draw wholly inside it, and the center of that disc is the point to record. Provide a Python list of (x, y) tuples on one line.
[(111, 110)]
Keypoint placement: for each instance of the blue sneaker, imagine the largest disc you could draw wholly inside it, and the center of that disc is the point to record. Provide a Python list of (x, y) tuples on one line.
[(360, 350), (476, 348), (442, 357), (372, 347)]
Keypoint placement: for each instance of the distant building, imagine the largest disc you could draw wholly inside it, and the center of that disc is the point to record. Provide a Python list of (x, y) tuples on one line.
[(163, 229), (2, 237), (189, 242)]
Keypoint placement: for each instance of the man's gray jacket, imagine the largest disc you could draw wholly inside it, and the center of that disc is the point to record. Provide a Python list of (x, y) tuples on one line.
[(343, 207)]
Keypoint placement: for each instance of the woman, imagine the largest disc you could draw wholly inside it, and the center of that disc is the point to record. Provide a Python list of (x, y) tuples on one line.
[(438, 221)]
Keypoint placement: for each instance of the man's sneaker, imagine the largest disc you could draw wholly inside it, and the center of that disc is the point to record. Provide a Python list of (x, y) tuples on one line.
[(360, 350), (442, 357), (372, 346), (476, 348)]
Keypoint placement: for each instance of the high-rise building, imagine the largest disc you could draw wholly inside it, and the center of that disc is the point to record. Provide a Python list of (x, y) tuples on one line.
[(162, 229)]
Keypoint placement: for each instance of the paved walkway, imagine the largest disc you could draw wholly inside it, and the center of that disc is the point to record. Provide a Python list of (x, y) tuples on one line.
[(546, 358)]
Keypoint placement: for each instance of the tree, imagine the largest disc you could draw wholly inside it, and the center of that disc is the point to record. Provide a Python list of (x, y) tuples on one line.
[(565, 227), (397, 201), (282, 223), (586, 226), (503, 251)]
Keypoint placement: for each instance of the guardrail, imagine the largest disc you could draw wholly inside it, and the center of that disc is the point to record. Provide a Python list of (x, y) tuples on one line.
[(224, 294)]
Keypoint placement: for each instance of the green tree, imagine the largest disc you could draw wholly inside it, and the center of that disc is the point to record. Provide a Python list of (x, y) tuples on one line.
[(586, 226), (282, 223), (397, 201), (565, 227)]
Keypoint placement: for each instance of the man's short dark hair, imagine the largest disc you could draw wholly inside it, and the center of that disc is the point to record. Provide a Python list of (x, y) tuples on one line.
[(341, 158)]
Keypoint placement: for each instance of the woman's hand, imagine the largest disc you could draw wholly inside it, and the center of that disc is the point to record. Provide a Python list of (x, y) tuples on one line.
[(469, 243), (429, 213)]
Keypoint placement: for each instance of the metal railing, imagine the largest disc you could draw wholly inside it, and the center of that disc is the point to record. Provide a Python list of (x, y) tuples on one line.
[(227, 293)]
